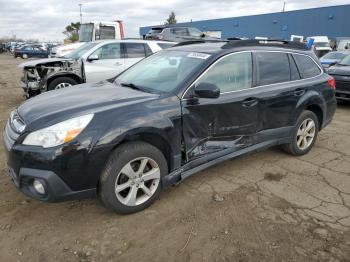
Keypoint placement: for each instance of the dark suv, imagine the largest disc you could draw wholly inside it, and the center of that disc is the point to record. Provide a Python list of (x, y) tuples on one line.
[(169, 116), (177, 34)]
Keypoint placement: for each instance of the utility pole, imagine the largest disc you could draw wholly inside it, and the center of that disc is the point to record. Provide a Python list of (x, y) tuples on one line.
[(284, 7), (81, 15)]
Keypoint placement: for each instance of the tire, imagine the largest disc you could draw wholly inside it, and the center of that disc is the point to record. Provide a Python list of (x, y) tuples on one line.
[(299, 146), (132, 154), (64, 81)]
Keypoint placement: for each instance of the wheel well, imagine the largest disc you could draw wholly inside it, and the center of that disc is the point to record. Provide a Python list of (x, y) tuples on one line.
[(75, 77), (318, 112), (154, 140)]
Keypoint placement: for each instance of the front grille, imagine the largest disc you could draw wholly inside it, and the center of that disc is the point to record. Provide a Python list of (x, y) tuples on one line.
[(13, 129), (343, 86)]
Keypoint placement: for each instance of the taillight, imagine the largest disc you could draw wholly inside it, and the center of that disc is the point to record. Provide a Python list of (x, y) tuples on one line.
[(331, 83)]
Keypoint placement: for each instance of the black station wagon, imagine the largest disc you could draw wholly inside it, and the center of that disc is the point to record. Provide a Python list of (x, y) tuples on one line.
[(167, 117)]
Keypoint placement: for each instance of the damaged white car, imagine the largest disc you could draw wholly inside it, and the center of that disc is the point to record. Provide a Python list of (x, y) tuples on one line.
[(92, 62)]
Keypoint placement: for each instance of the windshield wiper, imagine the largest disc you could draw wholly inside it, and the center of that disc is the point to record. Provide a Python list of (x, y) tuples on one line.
[(133, 86)]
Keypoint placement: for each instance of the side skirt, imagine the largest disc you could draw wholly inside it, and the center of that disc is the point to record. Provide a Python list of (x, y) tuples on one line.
[(184, 172)]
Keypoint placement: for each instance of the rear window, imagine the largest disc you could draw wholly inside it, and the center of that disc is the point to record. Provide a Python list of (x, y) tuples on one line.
[(165, 45), (135, 50), (155, 31), (307, 67), (273, 67), (107, 32)]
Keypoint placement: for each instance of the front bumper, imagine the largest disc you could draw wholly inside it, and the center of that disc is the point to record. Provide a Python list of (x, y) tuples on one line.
[(55, 188), (70, 171)]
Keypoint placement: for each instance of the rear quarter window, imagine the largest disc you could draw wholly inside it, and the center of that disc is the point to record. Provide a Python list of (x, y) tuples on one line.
[(307, 66)]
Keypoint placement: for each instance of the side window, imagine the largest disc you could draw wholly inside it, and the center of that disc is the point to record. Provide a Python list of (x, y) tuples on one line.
[(232, 73), (195, 32), (179, 31), (109, 51), (307, 67), (135, 50), (294, 73), (272, 68), (107, 32)]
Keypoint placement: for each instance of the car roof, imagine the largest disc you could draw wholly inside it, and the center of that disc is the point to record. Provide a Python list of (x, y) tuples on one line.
[(213, 47), (169, 26), (132, 41)]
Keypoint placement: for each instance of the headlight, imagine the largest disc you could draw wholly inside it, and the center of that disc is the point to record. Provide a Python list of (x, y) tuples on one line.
[(58, 134)]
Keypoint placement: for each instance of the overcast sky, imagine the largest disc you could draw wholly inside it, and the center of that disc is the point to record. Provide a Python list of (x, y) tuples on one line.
[(45, 20)]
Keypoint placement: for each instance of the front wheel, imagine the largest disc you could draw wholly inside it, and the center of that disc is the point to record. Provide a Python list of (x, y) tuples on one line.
[(304, 134), (61, 82), (131, 180)]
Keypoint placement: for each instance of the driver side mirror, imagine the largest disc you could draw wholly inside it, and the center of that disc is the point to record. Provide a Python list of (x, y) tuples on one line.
[(93, 58), (207, 90)]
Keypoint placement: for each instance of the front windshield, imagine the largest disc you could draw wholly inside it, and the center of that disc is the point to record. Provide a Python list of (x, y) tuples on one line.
[(85, 32), (334, 55), (77, 53), (163, 71), (345, 61)]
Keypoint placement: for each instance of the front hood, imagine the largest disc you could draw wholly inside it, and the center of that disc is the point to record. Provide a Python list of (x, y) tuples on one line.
[(69, 47), (329, 61), (339, 70), (44, 61), (58, 105)]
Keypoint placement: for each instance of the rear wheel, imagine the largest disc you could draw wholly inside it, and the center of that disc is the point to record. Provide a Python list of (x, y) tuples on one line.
[(304, 134), (131, 180), (61, 82)]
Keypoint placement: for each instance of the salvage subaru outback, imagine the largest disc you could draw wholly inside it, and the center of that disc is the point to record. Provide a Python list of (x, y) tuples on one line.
[(167, 117)]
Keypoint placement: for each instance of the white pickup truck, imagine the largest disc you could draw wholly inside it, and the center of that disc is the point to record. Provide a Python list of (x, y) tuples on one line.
[(321, 45), (98, 30)]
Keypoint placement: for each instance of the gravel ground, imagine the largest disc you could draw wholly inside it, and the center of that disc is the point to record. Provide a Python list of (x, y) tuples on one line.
[(266, 206)]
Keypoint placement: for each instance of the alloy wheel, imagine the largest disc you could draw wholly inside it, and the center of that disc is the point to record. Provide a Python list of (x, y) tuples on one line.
[(137, 181), (306, 134), (62, 85)]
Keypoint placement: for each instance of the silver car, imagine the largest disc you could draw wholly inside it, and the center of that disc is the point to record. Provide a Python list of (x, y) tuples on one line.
[(92, 62)]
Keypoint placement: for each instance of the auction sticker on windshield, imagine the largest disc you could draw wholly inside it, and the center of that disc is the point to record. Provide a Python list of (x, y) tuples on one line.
[(198, 55)]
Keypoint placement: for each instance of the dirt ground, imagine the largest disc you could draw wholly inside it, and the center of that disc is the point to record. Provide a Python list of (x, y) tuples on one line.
[(266, 206)]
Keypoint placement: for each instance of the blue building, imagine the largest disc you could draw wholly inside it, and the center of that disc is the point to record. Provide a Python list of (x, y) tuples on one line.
[(333, 21)]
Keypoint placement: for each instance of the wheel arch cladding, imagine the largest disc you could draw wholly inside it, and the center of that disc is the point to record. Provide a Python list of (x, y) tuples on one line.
[(153, 139), (73, 76), (316, 109)]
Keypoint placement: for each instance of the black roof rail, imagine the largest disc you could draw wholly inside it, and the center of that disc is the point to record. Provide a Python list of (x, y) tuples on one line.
[(192, 42), (269, 42)]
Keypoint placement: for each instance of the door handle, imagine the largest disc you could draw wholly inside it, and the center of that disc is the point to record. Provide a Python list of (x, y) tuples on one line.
[(118, 64), (250, 102), (299, 92)]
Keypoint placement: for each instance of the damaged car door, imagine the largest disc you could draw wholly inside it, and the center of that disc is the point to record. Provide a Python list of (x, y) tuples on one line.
[(104, 63), (217, 126)]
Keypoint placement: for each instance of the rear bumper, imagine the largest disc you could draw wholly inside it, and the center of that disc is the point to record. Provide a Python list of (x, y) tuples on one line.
[(342, 95)]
